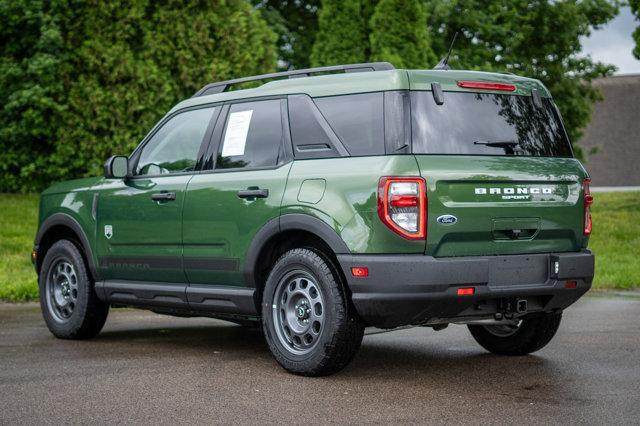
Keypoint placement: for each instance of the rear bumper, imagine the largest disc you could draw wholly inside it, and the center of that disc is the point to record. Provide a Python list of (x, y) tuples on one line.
[(417, 289)]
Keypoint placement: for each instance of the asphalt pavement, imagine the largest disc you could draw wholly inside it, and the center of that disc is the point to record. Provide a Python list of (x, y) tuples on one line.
[(146, 368)]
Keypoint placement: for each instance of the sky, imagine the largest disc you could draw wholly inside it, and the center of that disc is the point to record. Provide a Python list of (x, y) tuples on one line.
[(612, 44)]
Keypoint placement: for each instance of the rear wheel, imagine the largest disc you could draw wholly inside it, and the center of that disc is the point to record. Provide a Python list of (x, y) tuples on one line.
[(517, 338), (306, 318), (70, 306)]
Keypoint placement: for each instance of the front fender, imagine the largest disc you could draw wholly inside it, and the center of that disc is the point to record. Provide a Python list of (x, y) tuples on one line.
[(74, 211)]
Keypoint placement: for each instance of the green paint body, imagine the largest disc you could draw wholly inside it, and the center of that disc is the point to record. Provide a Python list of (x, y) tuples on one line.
[(208, 220)]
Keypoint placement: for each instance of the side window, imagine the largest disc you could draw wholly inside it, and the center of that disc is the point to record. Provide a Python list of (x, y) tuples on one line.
[(252, 136), (311, 134), (358, 120), (174, 148)]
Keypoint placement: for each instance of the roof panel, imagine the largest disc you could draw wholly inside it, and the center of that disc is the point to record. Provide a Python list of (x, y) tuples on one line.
[(374, 81)]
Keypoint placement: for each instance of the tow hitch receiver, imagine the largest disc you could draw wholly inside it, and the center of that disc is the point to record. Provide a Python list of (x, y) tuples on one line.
[(521, 306), (508, 307)]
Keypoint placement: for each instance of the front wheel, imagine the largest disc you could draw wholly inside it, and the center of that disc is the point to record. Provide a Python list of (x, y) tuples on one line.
[(518, 338), (308, 325), (69, 303)]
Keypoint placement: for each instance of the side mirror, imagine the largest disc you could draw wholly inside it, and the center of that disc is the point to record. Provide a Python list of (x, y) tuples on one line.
[(116, 167)]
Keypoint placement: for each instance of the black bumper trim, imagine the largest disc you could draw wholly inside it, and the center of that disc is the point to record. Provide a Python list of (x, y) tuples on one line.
[(415, 289)]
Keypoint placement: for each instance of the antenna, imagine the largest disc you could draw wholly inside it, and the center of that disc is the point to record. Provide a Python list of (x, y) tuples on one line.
[(444, 62)]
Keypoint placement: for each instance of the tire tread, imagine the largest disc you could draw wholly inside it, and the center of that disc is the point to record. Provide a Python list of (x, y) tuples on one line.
[(534, 334), (91, 321), (349, 331)]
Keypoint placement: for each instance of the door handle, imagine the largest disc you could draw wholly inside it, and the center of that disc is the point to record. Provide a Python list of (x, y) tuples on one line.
[(253, 193), (164, 196)]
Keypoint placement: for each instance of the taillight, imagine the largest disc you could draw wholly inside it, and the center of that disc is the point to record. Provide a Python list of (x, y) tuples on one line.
[(588, 200), (486, 85), (402, 206)]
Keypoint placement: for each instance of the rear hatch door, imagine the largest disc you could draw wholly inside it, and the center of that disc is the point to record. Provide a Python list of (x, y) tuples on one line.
[(500, 174), (491, 206)]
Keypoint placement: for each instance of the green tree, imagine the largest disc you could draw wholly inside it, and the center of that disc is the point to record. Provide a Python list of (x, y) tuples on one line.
[(82, 80), (296, 23), (31, 90), (635, 9), (539, 39), (399, 34), (342, 37)]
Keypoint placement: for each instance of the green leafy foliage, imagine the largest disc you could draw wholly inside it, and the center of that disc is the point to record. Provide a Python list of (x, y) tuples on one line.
[(635, 9), (539, 39), (342, 37), (82, 80), (31, 91), (296, 23), (399, 34)]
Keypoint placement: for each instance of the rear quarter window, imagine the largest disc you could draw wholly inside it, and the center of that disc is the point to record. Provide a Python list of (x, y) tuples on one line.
[(357, 120)]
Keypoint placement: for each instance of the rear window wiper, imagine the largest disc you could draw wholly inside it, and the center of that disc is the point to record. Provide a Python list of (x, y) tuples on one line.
[(497, 144)]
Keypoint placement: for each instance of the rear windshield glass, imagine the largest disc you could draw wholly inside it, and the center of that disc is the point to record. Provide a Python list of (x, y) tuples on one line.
[(486, 124)]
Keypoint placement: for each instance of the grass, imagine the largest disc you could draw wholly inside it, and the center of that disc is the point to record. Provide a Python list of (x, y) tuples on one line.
[(18, 222), (615, 241)]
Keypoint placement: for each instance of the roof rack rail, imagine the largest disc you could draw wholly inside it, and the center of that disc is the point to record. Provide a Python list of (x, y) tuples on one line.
[(222, 86)]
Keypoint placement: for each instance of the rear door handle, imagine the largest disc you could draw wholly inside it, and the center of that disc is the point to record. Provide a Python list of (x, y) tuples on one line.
[(164, 196), (253, 193)]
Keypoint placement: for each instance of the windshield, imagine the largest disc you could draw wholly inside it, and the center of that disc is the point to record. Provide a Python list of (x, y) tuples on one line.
[(486, 124)]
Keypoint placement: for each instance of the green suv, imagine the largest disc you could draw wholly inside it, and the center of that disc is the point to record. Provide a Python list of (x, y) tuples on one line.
[(328, 200)]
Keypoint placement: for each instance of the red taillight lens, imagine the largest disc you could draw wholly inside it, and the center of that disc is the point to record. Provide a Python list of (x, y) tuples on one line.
[(588, 200), (405, 201), (360, 272), (402, 206), (486, 85)]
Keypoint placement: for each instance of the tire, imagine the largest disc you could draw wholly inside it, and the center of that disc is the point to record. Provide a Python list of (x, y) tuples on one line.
[(531, 334), (70, 306), (304, 292)]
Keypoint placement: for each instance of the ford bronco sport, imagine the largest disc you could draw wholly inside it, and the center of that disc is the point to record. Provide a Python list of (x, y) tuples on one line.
[(318, 205)]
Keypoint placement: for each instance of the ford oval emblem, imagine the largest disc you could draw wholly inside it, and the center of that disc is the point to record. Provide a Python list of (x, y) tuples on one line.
[(447, 219)]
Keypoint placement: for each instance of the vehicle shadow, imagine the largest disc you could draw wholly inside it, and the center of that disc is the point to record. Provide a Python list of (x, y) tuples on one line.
[(397, 360)]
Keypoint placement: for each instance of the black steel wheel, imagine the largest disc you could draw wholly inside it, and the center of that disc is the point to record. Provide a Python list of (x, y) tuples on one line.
[(307, 321), (299, 313), (61, 287), (70, 306)]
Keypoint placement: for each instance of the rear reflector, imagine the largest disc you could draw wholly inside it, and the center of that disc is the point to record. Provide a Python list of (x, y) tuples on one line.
[(571, 284), (487, 86), (360, 272), (588, 201), (466, 291)]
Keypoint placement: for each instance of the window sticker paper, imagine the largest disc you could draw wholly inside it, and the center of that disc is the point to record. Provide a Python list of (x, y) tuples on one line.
[(235, 138)]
